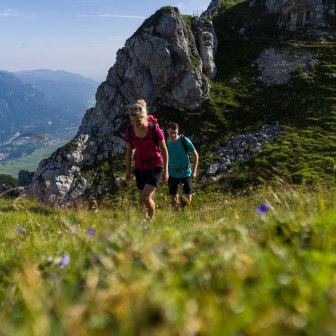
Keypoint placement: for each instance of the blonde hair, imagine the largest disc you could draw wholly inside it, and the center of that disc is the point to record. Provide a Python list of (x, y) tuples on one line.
[(138, 108)]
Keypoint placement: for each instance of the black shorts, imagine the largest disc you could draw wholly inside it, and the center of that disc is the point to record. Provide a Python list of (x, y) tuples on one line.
[(174, 182), (148, 176)]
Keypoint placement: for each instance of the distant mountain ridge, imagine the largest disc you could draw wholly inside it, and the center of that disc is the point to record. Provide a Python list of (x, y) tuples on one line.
[(54, 75), (21, 103), (43, 102), (68, 91)]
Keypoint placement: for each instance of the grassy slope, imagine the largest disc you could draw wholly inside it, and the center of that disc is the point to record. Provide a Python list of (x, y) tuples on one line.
[(215, 269), (305, 153), (305, 106)]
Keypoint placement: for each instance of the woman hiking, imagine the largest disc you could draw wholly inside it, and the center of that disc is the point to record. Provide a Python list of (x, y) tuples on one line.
[(151, 155)]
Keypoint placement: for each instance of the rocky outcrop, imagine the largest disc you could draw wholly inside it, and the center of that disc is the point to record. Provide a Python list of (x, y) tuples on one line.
[(240, 148), (58, 179), (212, 8), (278, 64), (25, 178), (296, 14), (207, 43), (160, 63)]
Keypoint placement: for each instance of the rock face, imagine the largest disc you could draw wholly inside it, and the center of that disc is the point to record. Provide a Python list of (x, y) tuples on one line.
[(161, 63), (58, 180), (278, 64), (296, 14), (241, 147), (207, 45), (25, 178), (212, 8)]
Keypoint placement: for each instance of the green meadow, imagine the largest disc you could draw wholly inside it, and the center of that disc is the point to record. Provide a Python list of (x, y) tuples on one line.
[(217, 268), (28, 162)]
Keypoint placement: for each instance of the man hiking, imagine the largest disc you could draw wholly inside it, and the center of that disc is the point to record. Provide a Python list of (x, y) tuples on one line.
[(180, 171)]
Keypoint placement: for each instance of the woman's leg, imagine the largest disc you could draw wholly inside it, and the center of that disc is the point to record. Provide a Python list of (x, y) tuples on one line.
[(142, 204), (147, 201)]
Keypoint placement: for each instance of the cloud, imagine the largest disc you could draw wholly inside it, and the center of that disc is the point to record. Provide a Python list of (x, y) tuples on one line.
[(11, 13), (131, 17)]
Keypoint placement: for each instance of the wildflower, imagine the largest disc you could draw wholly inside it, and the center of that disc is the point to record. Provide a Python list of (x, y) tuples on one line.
[(72, 231), (21, 230), (64, 261), (91, 232), (145, 227), (262, 209)]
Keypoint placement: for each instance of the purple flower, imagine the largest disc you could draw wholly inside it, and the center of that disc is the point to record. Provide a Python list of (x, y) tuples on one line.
[(91, 232), (72, 231), (65, 260), (146, 227), (21, 230), (262, 209)]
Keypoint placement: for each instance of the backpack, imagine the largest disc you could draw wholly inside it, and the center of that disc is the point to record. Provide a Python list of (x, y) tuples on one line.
[(153, 124), (184, 143)]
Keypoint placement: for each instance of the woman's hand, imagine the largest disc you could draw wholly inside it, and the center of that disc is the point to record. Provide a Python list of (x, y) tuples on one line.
[(165, 176), (128, 176)]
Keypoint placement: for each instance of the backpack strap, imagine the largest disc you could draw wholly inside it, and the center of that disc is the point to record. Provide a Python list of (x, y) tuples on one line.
[(153, 126), (184, 143), (154, 132), (130, 135)]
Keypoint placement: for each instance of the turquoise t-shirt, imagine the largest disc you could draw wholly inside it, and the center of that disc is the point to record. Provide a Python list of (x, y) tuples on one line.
[(179, 162)]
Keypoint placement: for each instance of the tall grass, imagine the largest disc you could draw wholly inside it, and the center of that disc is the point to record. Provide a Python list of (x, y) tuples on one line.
[(216, 268)]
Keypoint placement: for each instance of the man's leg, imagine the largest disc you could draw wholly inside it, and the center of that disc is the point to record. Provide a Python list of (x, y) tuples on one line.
[(175, 202), (173, 192), (187, 189)]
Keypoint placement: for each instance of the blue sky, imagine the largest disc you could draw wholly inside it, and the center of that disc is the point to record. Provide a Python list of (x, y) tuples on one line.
[(80, 36)]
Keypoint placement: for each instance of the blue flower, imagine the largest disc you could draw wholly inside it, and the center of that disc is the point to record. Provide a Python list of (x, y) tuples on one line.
[(262, 209), (91, 232), (21, 230), (65, 260)]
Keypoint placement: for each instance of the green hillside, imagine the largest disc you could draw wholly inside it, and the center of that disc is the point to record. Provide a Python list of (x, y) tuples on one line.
[(306, 107)]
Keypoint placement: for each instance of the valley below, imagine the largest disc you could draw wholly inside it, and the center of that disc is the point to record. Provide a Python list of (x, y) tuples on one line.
[(26, 147)]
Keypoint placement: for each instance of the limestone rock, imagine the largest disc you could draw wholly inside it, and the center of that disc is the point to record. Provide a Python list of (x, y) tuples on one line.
[(58, 179), (298, 13), (207, 41), (241, 147), (278, 64)]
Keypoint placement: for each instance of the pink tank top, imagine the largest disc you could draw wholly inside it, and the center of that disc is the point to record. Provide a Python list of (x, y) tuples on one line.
[(147, 152)]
